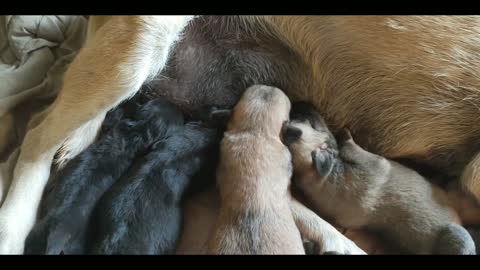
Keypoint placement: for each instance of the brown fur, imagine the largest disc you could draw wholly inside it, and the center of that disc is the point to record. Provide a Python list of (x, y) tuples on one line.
[(253, 179), (407, 86)]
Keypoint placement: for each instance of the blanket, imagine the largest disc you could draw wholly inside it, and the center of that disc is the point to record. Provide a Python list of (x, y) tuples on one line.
[(34, 54)]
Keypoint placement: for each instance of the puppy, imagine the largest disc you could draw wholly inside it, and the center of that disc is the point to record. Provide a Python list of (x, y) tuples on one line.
[(142, 213), (78, 187), (199, 217), (358, 189), (253, 179)]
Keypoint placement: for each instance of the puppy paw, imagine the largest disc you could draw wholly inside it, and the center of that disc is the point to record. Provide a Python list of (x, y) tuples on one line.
[(339, 245), (344, 136)]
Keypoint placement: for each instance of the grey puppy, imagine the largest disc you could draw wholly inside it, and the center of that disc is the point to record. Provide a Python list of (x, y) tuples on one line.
[(361, 190)]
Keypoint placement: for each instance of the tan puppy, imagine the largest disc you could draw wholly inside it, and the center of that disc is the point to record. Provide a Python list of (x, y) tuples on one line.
[(253, 178), (200, 214), (361, 190)]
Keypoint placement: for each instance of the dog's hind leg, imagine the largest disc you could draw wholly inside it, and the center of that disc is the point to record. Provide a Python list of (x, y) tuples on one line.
[(124, 52)]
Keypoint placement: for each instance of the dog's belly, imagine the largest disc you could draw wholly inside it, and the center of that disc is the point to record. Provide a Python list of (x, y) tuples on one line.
[(212, 67), (397, 105)]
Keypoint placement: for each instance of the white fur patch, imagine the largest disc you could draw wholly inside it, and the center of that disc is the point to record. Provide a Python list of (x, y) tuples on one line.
[(78, 141)]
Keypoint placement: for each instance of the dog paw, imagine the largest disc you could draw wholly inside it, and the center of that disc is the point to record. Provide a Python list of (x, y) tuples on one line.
[(339, 245), (344, 135)]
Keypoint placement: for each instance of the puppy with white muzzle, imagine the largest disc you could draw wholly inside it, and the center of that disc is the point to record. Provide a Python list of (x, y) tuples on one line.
[(360, 190)]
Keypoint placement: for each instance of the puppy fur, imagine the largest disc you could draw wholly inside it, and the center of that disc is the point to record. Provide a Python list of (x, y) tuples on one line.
[(358, 189), (202, 210), (79, 186), (253, 179), (142, 213)]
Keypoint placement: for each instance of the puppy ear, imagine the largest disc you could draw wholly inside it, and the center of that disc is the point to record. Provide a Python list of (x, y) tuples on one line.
[(291, 134), (322, 162), (344, 135), (220, 115)]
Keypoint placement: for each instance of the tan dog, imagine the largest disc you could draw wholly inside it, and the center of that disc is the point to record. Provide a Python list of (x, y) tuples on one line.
[(360, 190), (407, 86)]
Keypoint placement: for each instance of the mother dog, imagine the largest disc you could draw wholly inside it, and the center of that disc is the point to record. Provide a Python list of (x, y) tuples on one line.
[(407, 87)]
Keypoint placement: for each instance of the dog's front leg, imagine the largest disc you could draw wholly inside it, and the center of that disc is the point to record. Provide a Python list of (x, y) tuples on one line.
[(116, 61), (317, 230)]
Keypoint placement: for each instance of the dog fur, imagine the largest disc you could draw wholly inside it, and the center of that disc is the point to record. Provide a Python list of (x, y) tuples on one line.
[(253, 178), (79, 186), (360, 190), (142, 213), (357, 70)]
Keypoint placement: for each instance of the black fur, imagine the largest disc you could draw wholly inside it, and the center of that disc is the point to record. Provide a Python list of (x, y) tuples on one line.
[(302, 111), (142, 213), (83, 181), (290, 134)]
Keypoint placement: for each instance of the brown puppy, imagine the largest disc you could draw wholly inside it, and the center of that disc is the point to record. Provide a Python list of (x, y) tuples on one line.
[(253, 178), (199, 217), (358, 189)]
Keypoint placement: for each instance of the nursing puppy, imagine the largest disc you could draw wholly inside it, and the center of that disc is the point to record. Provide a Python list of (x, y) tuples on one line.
[(360, 190), (253, 179), (257, 214), (79, 186), (142, 213)]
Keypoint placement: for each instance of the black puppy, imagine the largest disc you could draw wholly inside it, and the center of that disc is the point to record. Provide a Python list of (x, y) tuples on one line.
[(83, 181), (142, 212)]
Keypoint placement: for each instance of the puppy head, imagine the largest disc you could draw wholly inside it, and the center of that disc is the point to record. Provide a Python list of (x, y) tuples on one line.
[(159, 107), (261, 108), (308, 139)]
